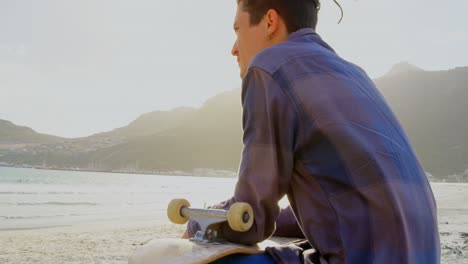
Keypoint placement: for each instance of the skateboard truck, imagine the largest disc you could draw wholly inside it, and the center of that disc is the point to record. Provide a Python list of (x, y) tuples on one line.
[(239, 217)]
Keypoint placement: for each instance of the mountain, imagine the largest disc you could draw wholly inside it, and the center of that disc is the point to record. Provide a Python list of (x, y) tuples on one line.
[(11, 134), (209, 139), (403, 68), (181, 139), (431, 106), (81, 152), (151, 123)]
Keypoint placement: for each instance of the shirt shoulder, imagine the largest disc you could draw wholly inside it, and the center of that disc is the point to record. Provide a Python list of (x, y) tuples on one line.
[(273, 58)]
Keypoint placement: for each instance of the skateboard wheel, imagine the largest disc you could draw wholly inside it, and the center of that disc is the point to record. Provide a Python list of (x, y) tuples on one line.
[(174, 211), (240, 217)]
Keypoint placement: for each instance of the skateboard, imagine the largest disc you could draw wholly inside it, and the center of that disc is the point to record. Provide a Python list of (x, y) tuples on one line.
[(205, 246)]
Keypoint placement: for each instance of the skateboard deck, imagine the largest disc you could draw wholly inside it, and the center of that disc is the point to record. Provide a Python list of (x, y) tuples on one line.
[(183, 251), (203, 247)]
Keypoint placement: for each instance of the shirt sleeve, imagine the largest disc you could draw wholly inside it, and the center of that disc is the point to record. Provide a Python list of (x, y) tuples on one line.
[(269, 125), (286, 224)]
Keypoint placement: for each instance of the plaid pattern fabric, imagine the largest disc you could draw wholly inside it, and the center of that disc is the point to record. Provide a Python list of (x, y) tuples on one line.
[(317, 130)]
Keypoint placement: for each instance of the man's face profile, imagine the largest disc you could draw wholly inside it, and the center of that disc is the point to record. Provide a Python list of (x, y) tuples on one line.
[(251, 39)]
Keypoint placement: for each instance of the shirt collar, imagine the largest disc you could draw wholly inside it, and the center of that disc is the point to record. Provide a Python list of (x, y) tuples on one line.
[(301, 32)]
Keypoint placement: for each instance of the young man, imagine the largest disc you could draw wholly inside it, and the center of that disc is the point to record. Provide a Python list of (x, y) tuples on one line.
[(317, 130)]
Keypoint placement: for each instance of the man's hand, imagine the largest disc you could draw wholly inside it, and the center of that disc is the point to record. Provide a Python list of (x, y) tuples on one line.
[(185, 235), (213, 227)]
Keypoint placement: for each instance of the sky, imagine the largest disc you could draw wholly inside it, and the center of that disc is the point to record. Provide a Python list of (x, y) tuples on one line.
[(75, 68)]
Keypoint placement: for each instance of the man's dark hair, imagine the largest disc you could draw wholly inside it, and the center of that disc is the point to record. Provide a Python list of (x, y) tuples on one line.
[(296, 14)]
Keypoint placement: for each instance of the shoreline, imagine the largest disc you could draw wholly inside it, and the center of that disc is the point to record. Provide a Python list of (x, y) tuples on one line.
[(222, 173), (152, 173)]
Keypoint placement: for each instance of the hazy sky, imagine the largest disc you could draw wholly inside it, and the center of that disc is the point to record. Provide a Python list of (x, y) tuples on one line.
[(74, 68)]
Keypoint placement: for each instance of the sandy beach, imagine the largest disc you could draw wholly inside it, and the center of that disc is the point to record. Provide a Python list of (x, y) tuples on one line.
[(113, 242), (90, 243)]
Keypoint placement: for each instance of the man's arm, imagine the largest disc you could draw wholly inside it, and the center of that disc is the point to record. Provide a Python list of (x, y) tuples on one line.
[(270, 124), (286, 224)]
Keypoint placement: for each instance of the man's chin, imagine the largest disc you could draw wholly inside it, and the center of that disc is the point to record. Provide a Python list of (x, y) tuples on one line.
[(242, 74)]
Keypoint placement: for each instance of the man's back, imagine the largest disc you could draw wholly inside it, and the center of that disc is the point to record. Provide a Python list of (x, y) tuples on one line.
[(357, 189)]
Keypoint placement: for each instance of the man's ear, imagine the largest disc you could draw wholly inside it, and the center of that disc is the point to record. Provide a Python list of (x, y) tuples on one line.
[(272, 21)]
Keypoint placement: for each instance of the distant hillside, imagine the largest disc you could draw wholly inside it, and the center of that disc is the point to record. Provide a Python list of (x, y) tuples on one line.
[(181, 139), (11, 134), (403, 68), (84, 152), (433, 109), (152, 123), (430, 105), (212, 138)]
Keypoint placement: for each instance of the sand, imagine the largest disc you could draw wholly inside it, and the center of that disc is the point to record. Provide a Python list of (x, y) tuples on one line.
[(86, 243), (114, 242), (452, 203)]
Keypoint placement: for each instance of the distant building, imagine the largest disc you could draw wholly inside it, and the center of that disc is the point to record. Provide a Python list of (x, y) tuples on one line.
[(455, 178), (465, 175), (207, 172)]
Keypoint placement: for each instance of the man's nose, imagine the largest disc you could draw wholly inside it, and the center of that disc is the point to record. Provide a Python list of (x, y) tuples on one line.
[(235, 50)]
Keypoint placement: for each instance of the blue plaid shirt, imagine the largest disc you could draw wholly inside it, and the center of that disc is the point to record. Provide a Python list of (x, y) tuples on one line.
[(317, 130)]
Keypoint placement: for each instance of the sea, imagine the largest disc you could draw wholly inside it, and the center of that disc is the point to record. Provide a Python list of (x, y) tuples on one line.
[(37, 198)]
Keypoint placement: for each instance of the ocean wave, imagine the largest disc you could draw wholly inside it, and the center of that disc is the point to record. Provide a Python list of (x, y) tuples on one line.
[(54, 203), (8, 217), (13, 192)]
